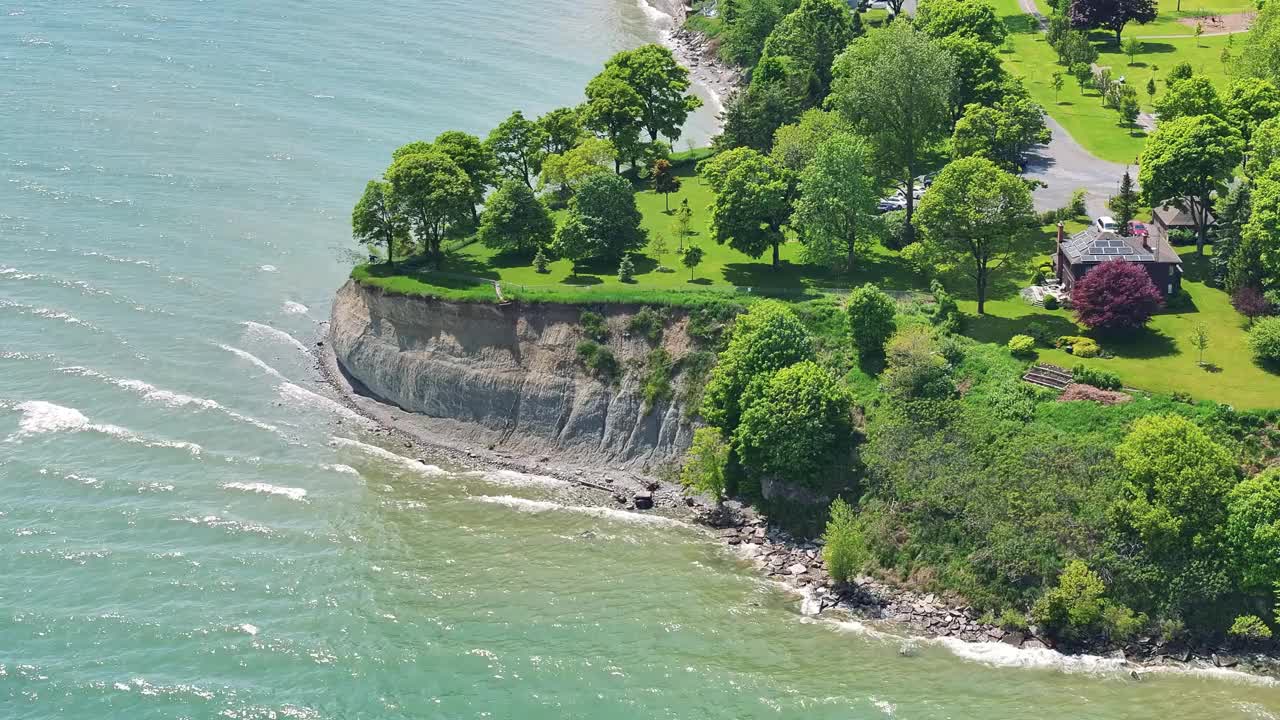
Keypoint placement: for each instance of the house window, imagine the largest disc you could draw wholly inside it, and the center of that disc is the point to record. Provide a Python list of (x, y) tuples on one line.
[(1170, 292)]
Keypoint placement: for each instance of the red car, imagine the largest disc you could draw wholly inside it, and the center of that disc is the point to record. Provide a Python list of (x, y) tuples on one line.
[(1137, 229)]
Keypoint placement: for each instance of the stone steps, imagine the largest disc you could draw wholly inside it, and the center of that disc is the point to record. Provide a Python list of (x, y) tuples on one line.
[(1049, 376)]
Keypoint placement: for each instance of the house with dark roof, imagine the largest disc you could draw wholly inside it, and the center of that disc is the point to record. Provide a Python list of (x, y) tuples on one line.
[(1172, 217), (1085, 250)]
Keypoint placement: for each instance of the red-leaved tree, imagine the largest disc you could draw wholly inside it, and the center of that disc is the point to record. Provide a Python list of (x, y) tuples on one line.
[(1250, 302), (1115, 295)]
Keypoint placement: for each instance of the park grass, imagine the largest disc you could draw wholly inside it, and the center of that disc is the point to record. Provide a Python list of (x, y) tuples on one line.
[(1099, 129), (1167, 21)]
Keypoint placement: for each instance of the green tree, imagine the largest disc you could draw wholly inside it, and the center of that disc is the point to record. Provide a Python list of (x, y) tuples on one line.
[(565, 171), (476, 160), (691, 257), (665, 181), (811, 36), (1200, 340), (977, 210), (1125, 204), (515, 220), (1075, 49), (1177, 480), (795, 424), (1253, 529), (715, 169), (626, 270), (795, 145), (1187, 160), (844, 548), (778, 93), (1260, 56), (658, 249), (573, 241), (432, 193), (561, 130), (683, 221), (705, 463), (1233, 213), (752, 206), (765, 339), (615, 112), (871, 320), (1195, 95), (661, 86), (895, 85), (946, 18), (606, 206), (1003, 134), (1249, 102), (980, 76), (1077, 609), (517, 144), (1151, 90), (417, 147), (376, 219), (1265, 148), (1057, 85), (745, 34), (1132, 47), (836, 209), (1111, 15), (1082, 74), (915, 369)]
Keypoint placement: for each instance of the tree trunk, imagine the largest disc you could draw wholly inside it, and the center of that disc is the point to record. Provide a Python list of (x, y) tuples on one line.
[(982, 288), (1200, 213), (391, 249), (910, 230), (775, 256), (666, 201), (849, 257)]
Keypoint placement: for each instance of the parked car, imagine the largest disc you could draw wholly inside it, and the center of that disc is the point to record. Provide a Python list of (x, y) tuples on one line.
[(1106, 223), (1137, 229), (890, 204)]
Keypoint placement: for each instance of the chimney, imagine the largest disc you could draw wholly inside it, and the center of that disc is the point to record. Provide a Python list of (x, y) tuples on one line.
[(1061, 234)]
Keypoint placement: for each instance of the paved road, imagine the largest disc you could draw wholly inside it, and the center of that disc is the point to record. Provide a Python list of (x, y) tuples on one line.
[(1064, 166)]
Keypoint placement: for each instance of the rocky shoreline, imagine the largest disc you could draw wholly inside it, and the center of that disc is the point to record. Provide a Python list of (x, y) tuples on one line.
[(698, 53), (794, 563)]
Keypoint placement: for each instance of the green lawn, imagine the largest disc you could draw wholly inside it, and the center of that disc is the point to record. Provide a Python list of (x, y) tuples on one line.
[(1095, 127), (1167, 22)]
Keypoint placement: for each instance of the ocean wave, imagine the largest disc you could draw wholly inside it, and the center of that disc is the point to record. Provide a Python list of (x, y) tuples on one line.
[(48, 314), (289, 391), (269, 332), (253, 359), (221, 523), (260, 488), (542, 506), (416, 466), (168, 398), (517, 479), (295, 308), (40, 417), (340, 468), (119, 260)]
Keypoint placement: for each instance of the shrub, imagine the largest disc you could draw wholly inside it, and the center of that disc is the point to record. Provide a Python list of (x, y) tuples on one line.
[(1077, 391), (657, 381), (1250, 627), (845, 549), (1022, 345), (951, 349), (1011, 619), (541, 262), (794, 423), (946, 313), (1264, 340), (1115, 295), (871, 314), (895, 229), (705, 463), (1181, 237), (626, 270), (1102, 379), (1077, 609), (915, 367), (1012, 401), (1079, 346), (766, 339), (647, 323), (1050, 302), (594, 326), (1040, 333), (1038, 277), (1076, 206), (598, 359)]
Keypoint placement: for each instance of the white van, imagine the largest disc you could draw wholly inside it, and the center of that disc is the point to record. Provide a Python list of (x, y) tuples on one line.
[(1106, 223)]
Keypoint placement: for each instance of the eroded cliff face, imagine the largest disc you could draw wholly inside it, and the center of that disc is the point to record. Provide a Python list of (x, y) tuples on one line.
[(510, 376)]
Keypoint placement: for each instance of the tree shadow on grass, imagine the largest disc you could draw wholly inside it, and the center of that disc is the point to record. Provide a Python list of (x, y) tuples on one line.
[(581, 280), (997, 329), (1143, 344), (700, 281)]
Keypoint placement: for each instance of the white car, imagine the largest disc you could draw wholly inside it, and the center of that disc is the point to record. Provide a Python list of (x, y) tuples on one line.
[(1106, 223)]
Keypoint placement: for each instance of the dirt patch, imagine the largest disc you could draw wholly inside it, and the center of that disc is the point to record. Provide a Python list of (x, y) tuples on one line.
[(1222, 24)]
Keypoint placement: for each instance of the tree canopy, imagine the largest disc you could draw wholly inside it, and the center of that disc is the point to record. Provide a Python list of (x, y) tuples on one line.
[(1186, 161), (1195, 95), (376, 220), (811, 36), (794, 423), (752, 205), (764, 340), (895, 85), (517, 145), (660, 85), (605, 205), (1004, 133), (835, 211), (977, 211), (943, 18), (514, 219), (1115, 295), (432, 193), (476, 160), (615, 111), (1111, 15)]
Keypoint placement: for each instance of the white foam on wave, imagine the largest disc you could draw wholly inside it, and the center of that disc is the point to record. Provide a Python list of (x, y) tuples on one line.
[(260, 488), (295, 308), (168, 398), (269, 269), (15, 274), (48, 314), (340, 468), (513, 478), (247, 628), (409, 463), (289, 391), (276, 334), (250, 357), (221, 523), (542, 506), (654, 14), (40, 417)]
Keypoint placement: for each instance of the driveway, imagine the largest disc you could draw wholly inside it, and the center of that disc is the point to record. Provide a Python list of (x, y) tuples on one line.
[(1064, 166)]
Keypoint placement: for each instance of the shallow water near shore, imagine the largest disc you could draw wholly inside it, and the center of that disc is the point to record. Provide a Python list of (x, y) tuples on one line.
[(192, 527)]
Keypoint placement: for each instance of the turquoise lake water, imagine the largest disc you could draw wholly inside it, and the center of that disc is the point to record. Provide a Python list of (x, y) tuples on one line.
[(190, 527)]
